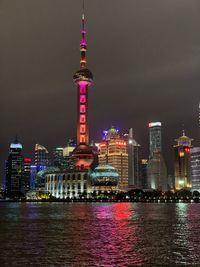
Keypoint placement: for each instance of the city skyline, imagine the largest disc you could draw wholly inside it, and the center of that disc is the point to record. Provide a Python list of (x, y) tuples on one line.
[(39, 95)]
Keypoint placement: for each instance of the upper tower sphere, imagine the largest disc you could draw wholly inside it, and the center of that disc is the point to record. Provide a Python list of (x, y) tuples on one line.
[(84, 75)]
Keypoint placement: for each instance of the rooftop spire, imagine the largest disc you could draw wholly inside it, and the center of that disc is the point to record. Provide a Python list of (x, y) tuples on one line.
[(83, 45), (83, 9), (183, 129)]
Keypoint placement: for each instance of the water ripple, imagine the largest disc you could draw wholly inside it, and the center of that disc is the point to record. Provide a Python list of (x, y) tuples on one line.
[(89, 234)]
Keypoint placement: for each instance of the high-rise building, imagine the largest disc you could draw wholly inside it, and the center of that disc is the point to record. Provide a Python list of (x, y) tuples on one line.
[(41, 163), (67, 151), (134, 157), (26, 175), (156, 169), (155, 138), (157, 172), (182, 162), (114, 152), (83, 79), (143, 173), (33, 174), (58, 158), (41, 156), (199, 115), (14, 170), (195, 168)]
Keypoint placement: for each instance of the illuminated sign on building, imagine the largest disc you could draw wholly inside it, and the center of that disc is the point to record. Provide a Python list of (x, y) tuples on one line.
[(154, 124)]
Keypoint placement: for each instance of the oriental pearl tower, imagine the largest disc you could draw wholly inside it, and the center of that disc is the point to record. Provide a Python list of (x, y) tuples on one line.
[(83, 79)]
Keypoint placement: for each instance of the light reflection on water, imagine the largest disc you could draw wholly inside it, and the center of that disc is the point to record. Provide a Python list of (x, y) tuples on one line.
[(118, 234)]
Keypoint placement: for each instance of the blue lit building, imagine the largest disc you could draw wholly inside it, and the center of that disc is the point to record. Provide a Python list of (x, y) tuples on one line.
[(41, 163), (41, 156), (34, 170)]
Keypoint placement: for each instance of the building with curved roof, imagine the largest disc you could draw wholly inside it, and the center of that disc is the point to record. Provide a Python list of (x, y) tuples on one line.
[(104, 178)]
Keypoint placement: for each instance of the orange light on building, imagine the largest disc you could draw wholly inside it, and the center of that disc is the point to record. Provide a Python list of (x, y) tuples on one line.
[(102, 145), (82, 119), (82, 138), (82, 128)]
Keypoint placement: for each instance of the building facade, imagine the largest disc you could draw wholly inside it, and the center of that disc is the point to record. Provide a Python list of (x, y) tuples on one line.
[(41, 156), (14, 171), (26, 181), (155, 138), (134, 157), (157, 173), (57, 157), (195, 168), (143, 173), (182, 166), (66, 184), (104, 179), (156, 169), (114, 151)]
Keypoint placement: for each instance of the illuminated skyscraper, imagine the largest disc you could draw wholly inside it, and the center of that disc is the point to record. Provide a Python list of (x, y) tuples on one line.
[(199, 115), (134, 156), (41, 163), (143, 173), (182, 167), (155, 139), (114, 152), (58, 158), (83, 79), (26, 181), (41, 156), (14, 170), (195, 168), (157, 172), (67, 151), (156, 169)]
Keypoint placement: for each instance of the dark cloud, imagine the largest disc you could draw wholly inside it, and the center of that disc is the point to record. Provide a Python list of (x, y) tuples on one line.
[(145, 57)]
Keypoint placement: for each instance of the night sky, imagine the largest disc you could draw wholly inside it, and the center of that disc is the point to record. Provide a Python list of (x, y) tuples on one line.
[(144, 55)]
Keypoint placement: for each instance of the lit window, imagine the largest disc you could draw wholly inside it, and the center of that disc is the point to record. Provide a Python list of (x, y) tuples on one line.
[(82, 119), (83, 89), (82, 108), (82, 128), (82, 138), (82, 98)]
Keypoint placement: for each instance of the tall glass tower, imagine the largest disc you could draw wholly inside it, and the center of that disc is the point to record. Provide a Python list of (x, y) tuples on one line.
[(14, 170), (155, 141), (156, 170)]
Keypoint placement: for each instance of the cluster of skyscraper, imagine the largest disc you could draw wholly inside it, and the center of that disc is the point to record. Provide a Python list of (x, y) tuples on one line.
[(114, 164)]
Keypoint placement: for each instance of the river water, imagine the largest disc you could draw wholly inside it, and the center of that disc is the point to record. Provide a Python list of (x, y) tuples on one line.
[(98, 234)]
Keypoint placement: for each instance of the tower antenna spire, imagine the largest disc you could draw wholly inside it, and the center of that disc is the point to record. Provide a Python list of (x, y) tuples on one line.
[(83, 45), (183, 129), (83, 7), (83, 78)]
